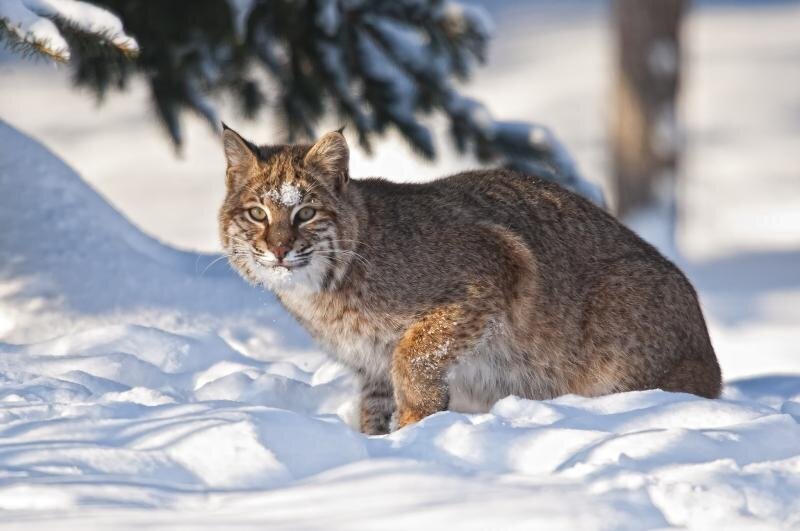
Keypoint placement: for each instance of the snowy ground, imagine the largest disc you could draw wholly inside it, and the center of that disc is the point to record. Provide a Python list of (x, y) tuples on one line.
[(141, 385)]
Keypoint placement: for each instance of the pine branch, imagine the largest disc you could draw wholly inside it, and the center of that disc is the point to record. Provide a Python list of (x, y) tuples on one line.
[(20, 40), (41, 27), (378, 65)]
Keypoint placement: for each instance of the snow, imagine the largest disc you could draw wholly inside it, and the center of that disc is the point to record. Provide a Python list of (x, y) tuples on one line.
[(113, 409), (328, 18), (87, 17), (240, 9), (463, 16), (30, 27), (378, 68), (287, 195), (178, 396), (29, 20)]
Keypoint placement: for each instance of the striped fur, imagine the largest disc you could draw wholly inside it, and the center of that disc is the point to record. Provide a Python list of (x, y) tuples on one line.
[(458, 292)]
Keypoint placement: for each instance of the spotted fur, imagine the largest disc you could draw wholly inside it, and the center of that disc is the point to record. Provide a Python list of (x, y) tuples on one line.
[(458, 292)]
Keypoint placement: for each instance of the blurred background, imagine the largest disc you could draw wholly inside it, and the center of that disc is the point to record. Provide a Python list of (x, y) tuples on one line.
[(686, 114)]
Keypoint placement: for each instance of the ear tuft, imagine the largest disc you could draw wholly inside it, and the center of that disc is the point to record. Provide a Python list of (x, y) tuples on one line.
[(239, 153), (330, 156)]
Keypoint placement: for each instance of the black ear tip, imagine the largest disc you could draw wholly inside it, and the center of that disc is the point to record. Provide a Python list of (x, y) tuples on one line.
[(225, 126), (341, 129)]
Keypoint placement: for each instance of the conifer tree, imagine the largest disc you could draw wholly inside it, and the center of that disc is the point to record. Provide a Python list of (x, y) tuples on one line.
[(373, 64)]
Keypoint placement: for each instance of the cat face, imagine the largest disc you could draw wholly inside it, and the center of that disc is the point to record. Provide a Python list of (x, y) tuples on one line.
[(284, 222)]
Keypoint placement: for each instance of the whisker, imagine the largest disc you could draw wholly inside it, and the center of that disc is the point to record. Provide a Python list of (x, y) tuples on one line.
[(223, 257), (333, 252), (349, 252)]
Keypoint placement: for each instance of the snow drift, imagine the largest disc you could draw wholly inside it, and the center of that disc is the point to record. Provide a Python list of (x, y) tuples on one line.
[(141, 385)]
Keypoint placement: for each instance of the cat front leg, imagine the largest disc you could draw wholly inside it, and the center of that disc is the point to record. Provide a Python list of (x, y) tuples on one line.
[(377, 405), (424, 355)]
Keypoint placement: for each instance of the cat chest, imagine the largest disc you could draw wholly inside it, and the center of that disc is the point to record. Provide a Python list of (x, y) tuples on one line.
[(348, 334)]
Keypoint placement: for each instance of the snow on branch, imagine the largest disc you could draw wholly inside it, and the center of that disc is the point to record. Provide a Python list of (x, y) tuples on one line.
[(378, 65), (409, 54), (39, 24)]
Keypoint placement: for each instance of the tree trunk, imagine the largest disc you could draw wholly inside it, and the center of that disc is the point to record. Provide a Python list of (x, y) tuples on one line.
[(645, 141)]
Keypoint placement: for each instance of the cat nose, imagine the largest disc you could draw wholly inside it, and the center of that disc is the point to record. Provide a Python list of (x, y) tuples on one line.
[(279, 251)]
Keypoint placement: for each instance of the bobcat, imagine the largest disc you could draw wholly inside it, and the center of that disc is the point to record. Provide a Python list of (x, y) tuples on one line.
[(461, 291)]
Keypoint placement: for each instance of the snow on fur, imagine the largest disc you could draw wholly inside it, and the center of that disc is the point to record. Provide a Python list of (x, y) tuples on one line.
[(287, 195)]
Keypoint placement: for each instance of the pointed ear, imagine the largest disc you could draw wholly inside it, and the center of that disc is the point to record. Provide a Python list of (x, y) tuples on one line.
[(330, 158), (239, 153)]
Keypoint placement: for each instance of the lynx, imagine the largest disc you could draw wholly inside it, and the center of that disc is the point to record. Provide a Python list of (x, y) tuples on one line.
[(458, 292)]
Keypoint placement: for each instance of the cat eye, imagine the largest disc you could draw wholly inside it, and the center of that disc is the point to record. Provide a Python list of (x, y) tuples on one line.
[(305, 213), (257, 213)]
